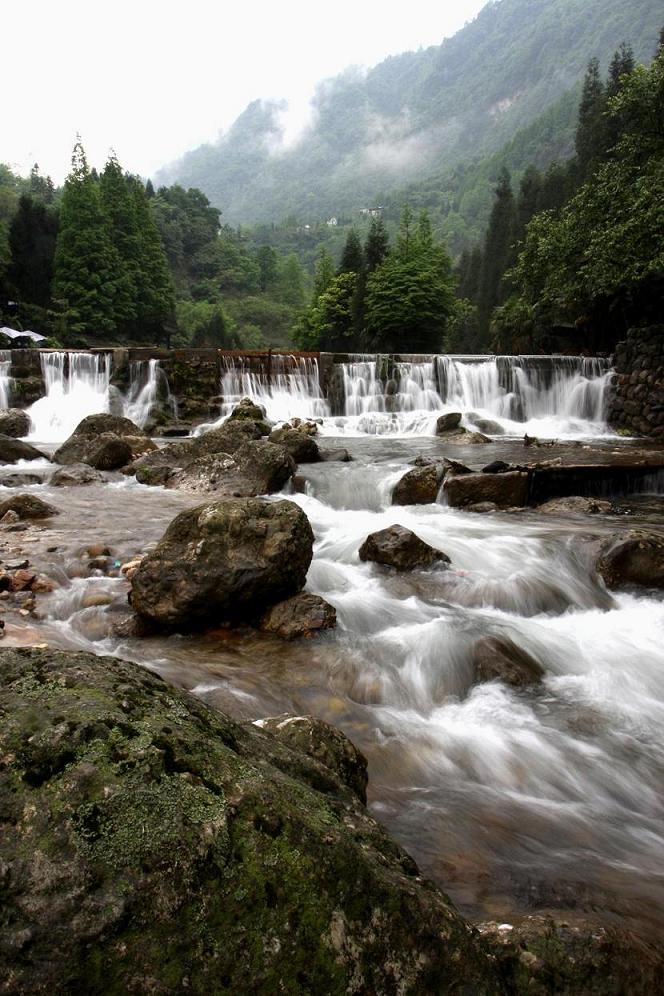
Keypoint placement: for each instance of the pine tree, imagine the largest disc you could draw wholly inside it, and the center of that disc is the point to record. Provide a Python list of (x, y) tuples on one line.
[(32, 237), (155, 301), (323, 273), (590, 139), (498, 251), (352, 257), (266, 257), (622, 66), (376, 245), (468, 274), (529, 199), (86, 261), (120, 208)]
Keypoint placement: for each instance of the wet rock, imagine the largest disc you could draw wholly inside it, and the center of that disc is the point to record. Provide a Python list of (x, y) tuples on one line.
[(223, 561), (482, 507), (468, 438), (324, 743), (10, 518), (575, 504), (248, 409), (488, 426), (454, 467), (635, 557), (497, 467), (497, 658), (340, 455), (21, 580), (400, 548), (43, 584), (129, 568), (419, 486), (12, 450), (539, 955), (298, 443), (302, 615), (173, 430), (506, 490), (14, 422), (448, 422), (106, 442), (27, 506), (133, 813), (74, 475), (20, 480)]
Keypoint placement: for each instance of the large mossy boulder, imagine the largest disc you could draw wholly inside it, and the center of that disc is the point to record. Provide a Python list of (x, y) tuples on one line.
[(27, 506), (14, 422), (152, 845), (299, 443), (233, 460), (105, 442), (222, 562)]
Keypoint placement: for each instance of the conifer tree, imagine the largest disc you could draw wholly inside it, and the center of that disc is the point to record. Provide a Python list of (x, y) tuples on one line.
[(323, 273), (86, 261), (376, 245), (120, 208), (32, 237), (352, 257), (155, 301), (498, 251), (590, 141)]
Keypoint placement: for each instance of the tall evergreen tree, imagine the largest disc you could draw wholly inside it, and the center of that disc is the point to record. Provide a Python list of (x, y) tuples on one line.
[(266, 257), (352, 256), (376, 245), (529, 199), (32, 237), (468, 274), (120, 208), (590, 138), (498, 252), (155, 299), (323, 272), (86, 261)]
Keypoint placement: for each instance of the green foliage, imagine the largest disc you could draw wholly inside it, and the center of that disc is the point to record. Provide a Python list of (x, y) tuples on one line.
[(352, 257), (202, 323), (31, 250)]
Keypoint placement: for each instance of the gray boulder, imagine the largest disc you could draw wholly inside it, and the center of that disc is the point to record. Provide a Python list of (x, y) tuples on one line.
[(106, 442), (301, 615), (419, 486), (14, 422), (27, 506), (400, 548), (223, 561), (300, 444), (448, 423), (12, 450), (635, 557), (506, 490), (75, 474), (497, 658), (576, 505)]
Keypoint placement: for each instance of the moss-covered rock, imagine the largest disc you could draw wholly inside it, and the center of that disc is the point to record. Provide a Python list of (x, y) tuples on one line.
[(151, 845)]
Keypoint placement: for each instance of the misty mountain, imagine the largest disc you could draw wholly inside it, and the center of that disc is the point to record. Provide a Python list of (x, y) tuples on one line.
[(418, 116)]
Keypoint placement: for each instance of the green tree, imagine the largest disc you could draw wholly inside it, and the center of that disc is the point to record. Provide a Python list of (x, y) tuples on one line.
[(155, 299), (590, 131), (377, 245), (86, 261), (498, 252), (266, 258), (352, 256), (32, 238), (120, 209)]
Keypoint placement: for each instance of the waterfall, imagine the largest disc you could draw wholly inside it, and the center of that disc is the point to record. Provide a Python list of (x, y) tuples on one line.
[(556, 396), (77, 384), (148, 384), (5, 378), (285, 386)]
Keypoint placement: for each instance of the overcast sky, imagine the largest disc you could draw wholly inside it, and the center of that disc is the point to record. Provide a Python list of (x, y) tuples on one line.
[(154, 79)]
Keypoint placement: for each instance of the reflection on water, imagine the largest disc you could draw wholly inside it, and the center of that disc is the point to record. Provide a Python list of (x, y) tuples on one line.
[(509, 798)]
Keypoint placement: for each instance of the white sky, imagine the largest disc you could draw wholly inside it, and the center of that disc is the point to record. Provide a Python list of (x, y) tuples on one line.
[(154, 79)]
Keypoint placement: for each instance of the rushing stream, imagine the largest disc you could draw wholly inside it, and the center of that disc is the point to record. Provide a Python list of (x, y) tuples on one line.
[(550, 797)]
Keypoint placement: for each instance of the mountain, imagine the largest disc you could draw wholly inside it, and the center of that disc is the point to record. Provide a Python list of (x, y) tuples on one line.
[(416, 116)]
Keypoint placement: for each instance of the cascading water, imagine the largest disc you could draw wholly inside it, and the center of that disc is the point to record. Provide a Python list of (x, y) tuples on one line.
[(147, 385), (562, 397), (5, 378), (77, 385), (285, 386)]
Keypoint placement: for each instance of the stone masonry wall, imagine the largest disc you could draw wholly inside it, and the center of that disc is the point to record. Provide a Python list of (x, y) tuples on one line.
[(638, 394)]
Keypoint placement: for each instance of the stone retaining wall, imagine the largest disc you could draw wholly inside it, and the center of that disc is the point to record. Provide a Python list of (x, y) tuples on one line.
[(638, 399)]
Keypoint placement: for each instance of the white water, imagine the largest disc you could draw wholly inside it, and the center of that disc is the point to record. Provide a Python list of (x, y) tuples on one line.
[(564, 398), (5, 378), (291, 389), (79, 384)]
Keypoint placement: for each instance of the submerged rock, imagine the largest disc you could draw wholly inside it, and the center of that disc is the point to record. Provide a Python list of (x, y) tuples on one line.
[(14, 422), (27, 506), (398, 547), (575, 504), (75, 474), (488, 426), (152, 845), (340, 455), (419, 486), (302, 615), (12, 450), (497, 658), (635, 557), (223, 561), (506, 490), (324, 743), (106, 442)]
